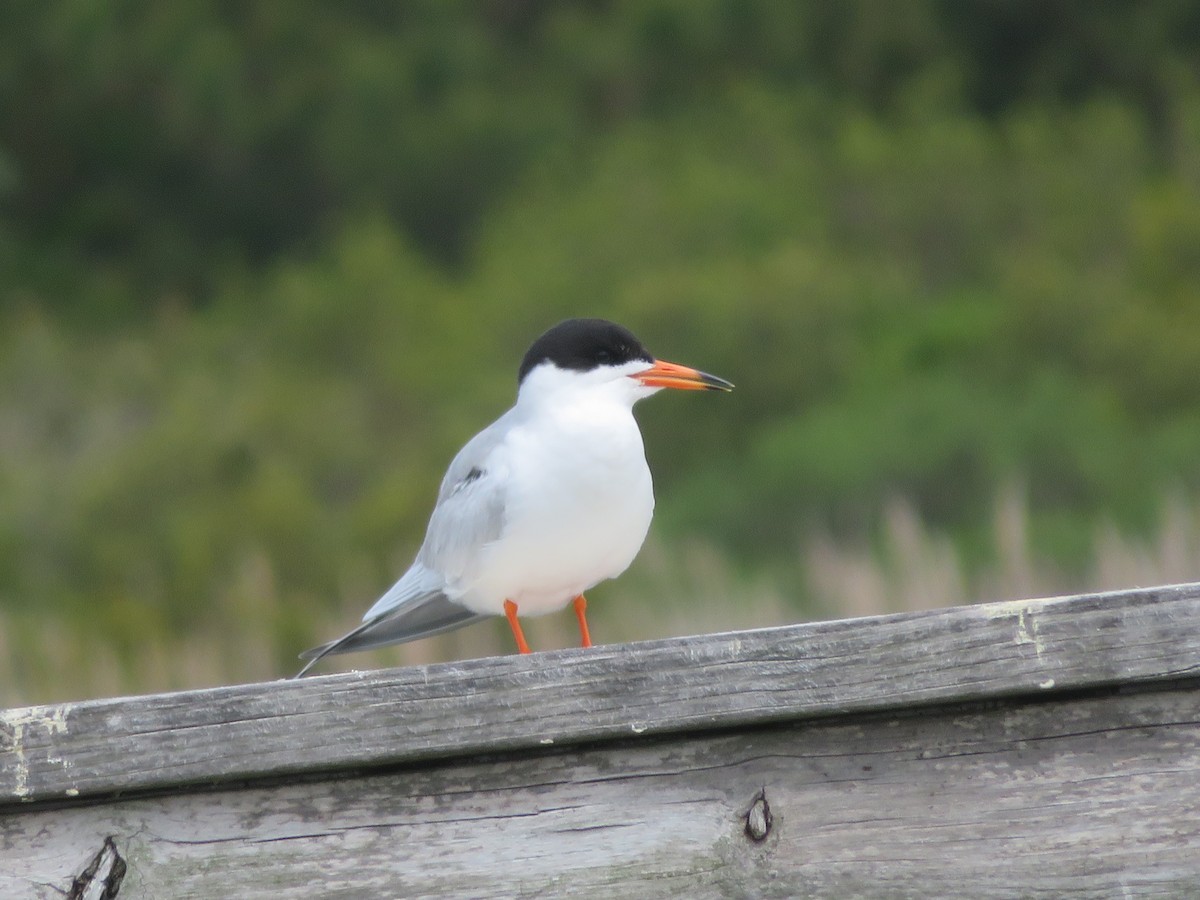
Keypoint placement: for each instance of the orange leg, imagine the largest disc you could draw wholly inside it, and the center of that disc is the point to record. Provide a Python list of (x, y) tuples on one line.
[(580, 613), (510, 611)]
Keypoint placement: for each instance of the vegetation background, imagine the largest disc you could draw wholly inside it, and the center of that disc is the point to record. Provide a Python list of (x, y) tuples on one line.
[(265, 266)]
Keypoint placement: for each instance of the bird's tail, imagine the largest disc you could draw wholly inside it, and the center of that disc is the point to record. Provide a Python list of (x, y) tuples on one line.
[(344, 644), (422, 616)]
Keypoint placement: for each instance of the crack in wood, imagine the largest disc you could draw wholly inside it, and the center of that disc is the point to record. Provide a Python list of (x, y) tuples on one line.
[(585, 829)]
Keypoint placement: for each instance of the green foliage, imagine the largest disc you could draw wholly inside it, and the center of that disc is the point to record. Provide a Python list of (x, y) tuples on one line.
[(263, 268)]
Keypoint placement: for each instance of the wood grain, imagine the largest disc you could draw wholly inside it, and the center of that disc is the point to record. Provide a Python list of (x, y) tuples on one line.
[(1063, 796), (359, 721)]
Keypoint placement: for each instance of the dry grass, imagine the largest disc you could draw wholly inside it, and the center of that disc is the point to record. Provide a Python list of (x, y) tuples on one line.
[(682, 589), (919, 569)]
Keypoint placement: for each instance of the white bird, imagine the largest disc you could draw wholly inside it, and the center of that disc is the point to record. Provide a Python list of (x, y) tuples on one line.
[(546, 502)]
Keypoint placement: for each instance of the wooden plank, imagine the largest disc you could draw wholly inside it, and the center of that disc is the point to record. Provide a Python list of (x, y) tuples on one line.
[(1059, 796), (287, 729)]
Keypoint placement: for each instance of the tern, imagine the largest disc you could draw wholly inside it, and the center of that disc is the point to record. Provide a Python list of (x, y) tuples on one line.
[(545, 503)]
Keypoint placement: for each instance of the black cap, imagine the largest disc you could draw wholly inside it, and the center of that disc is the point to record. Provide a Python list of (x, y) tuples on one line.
[(583, 344)]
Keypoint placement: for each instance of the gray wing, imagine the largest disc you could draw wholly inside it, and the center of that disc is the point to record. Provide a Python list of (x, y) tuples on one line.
[(470, 512), (469, 515), (477, 453)]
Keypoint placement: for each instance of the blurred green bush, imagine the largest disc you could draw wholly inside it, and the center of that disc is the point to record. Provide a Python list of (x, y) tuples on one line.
[(264, 267)]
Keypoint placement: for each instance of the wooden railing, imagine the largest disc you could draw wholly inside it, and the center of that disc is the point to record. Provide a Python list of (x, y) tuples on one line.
[(1040, 747)]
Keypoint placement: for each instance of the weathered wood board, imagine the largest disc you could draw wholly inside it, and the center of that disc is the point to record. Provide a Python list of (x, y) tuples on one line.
[(1037, 748)]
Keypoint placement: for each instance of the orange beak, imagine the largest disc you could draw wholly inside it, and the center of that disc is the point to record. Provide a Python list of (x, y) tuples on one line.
[(672, 375)]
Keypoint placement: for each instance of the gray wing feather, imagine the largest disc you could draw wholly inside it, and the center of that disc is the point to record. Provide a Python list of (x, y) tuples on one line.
[(469, 518), (476, 453), (470, 510), (469, 515), (419, 617)]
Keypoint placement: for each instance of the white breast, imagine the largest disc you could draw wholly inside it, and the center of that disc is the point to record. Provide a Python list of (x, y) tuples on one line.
[(579, 504)]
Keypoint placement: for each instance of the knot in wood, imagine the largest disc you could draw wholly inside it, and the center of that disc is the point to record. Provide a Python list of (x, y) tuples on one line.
[(103, 876), (758, 817)]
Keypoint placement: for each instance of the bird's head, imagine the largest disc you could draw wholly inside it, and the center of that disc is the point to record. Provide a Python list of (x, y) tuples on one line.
[(595, 354)]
